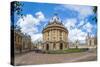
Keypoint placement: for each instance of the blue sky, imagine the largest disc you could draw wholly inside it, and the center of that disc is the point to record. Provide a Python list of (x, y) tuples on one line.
[(76, 18)]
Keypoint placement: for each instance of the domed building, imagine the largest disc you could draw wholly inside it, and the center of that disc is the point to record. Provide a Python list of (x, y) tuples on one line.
[(55, 35)]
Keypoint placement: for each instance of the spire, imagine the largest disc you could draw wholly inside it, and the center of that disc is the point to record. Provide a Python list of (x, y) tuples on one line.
[(88, 36)]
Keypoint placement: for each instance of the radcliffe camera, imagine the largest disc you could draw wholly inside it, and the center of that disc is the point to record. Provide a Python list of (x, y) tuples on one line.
[(48, 33)]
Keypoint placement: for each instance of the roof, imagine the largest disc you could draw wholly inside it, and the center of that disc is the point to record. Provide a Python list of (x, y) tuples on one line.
[(55, 22)]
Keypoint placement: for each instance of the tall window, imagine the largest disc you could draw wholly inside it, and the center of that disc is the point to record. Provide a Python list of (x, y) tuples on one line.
[(54, 38), (60, 35), (54, 46), (48, 35), (60, 38), (48, 38)]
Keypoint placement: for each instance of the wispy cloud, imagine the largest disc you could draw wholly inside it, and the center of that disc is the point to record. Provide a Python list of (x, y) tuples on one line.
[(75, 31), (70, 23), (88, 27), (77, 34), (77, 24), (40, 16), (83, 11)]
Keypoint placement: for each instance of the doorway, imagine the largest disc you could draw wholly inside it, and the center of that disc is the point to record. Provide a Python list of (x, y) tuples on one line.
[(47, 47), (61, 46)]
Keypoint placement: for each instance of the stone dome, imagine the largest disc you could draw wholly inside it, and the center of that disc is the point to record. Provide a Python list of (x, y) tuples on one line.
[(55, 23)]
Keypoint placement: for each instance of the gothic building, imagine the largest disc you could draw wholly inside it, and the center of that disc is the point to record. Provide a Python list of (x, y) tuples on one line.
[(22, 42), (91, 41), (55, 35)]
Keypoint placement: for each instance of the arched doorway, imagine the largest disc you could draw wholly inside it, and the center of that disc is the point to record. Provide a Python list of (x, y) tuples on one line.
[(61, 46), (47, 47)]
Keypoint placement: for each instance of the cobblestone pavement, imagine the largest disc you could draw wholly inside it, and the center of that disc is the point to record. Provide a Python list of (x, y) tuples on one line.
[(38, 58)]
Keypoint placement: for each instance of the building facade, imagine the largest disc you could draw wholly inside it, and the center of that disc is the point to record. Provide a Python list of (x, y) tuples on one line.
[(91, 41), (55, 35), (22, 42)]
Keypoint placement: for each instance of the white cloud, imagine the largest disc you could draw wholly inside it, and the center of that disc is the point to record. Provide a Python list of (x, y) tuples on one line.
[(70, 23), (88, 27), (29, 24), (74, 32), (74, 26), (81, 23), (36, 37), (83, 11), (39, 15)]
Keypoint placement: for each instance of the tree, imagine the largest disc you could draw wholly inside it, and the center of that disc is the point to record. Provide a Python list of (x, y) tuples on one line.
[(95, 11), (16, 8), (76, 43)]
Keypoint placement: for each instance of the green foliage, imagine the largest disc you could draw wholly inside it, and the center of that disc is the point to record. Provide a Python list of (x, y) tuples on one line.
[(95, 12), (95, 9), (70, 50), (16, 7)]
